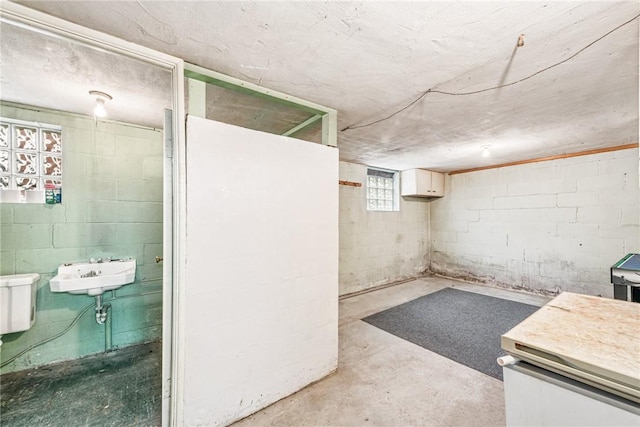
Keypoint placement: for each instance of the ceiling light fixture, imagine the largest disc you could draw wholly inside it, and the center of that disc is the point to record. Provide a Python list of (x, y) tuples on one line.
[(99, 110), (485, 151)]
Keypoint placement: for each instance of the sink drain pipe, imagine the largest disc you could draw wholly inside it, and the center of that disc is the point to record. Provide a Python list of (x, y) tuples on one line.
[(103, 318), (107, 331)]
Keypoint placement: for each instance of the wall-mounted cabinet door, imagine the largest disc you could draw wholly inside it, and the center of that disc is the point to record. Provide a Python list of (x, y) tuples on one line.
[(421, 183), (437, 184)]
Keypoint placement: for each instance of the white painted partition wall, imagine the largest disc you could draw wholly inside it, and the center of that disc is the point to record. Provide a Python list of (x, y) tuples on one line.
[(261, 297)]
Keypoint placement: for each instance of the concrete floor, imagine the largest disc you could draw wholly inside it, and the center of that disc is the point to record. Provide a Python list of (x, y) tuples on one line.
[(119, 388), (383, 380)]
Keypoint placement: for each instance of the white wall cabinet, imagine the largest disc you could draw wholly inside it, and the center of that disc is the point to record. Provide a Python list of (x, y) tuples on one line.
[(421, 183)]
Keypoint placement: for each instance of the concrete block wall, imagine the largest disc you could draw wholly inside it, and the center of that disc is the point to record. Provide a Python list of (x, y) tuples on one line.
[(550, 226), (379, 247), (112, 206)]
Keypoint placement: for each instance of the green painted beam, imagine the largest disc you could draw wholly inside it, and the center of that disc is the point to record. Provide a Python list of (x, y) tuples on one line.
[(202, 74), (329, 116), (197, 98), (303, 125), (330, 128)]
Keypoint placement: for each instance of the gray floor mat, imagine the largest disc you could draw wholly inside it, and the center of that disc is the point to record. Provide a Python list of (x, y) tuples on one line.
[(462, 326)]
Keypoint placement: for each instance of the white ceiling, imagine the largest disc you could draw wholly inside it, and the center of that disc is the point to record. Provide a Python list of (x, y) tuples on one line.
[(40, 70), (370, 60)]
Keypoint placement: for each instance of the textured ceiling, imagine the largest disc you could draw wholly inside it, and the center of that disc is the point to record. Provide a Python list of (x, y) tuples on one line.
[(373, 62), (44, 71)]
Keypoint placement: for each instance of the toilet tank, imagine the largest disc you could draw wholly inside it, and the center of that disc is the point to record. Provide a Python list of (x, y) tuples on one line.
[(18, 302)]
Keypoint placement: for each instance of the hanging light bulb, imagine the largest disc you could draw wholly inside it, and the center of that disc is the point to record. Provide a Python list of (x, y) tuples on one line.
[(485, 151), (100, 97), (99, 110)]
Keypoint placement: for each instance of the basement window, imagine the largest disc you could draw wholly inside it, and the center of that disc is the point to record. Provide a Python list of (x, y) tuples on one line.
[(382, 190), (30, 159)]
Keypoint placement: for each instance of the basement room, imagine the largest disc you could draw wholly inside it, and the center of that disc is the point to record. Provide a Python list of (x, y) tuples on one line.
[(319, 213)]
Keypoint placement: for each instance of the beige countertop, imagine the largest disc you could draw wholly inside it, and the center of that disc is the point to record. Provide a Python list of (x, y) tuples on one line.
[(592, 338)]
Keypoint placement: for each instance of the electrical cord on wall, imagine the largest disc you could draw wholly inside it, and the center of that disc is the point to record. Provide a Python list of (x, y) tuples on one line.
[(428, 91), (68, 328), (58, 335)]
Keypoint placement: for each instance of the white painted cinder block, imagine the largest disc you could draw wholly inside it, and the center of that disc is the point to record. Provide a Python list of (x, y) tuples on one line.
[(560, 226), (543, 186), (479, 203), (579, 170), (600, 214), (580, 198), (379, 247), (576, 229), (525, 202)]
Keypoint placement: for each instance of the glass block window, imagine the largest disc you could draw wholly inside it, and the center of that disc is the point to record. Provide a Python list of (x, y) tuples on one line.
[(382, 192), (30, 155)]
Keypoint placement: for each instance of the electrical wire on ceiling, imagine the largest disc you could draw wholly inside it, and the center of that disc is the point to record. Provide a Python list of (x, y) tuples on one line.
[(428, 91)]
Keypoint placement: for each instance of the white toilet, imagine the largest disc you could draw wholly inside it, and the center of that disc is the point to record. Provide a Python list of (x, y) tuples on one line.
[(17, 302)]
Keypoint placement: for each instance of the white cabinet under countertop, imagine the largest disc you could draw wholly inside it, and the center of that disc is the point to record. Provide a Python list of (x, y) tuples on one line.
[(421, 183), (535, 397), (578, 365)]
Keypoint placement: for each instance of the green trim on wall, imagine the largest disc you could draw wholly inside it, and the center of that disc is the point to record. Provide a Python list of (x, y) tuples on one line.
[(329, 116)]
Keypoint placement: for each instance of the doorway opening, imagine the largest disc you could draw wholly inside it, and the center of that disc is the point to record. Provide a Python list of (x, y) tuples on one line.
[(116, 204)]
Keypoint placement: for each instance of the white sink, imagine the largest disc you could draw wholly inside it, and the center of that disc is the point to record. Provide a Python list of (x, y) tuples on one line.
[(93, 278)]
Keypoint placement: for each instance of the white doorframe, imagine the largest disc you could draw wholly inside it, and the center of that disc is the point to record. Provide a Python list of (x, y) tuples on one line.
[(174, 191)]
